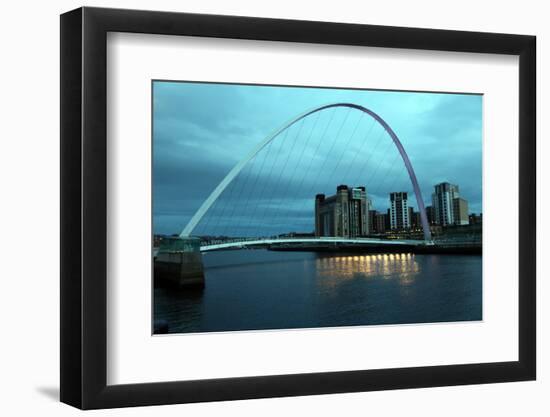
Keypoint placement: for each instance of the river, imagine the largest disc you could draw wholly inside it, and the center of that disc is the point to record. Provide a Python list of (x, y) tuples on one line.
[(262, 289)]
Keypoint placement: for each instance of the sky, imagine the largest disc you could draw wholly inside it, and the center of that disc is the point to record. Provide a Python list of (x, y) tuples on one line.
[(202, 130)]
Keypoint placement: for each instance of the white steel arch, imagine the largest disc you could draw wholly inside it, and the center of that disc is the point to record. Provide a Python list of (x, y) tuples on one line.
[(238, 168)]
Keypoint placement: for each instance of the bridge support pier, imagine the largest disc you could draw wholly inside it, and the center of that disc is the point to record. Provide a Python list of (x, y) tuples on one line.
[(179, 262)]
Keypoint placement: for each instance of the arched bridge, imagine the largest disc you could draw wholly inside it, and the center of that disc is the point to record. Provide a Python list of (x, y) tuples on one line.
[(258, 241)]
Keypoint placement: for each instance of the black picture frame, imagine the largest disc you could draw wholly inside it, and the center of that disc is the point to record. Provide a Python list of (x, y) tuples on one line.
[(84, 207)]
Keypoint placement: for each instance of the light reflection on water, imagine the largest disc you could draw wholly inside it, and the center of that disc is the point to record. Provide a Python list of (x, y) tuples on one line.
[(333, 270), (260, 289)]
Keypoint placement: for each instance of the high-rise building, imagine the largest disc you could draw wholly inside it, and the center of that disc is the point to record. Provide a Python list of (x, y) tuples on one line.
[(358, 212), (399, 211), (460, 211), (442, 202), (344, 214), (448, 207)]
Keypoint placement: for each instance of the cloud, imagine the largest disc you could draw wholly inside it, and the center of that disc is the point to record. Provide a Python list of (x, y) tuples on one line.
[(202, 130)]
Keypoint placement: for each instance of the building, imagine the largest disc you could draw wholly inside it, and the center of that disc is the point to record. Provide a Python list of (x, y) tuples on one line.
[(372, 219), (475, 218), (430, 215), (442, 203), (399, 211), (344, 214), (448, 207), (414, 219), (460, 212), (380, 221)]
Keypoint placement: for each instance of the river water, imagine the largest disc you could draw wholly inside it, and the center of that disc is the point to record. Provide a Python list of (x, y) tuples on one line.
[(261, 289)]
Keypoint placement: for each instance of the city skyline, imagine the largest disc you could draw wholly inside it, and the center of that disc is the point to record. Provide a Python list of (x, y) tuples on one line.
[(201, 131), (348, 212)]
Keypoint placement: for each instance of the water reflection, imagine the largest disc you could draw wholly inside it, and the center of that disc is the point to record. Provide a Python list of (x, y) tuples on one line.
[(334, 270), (261, 289)]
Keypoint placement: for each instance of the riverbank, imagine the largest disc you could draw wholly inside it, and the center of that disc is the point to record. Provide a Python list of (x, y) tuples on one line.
[(447, 249)]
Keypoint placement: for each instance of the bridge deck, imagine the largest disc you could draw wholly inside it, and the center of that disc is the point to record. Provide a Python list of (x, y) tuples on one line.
[(320, 241)]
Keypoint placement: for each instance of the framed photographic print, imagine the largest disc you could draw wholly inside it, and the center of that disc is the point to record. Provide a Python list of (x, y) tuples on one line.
[(258, 207)]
